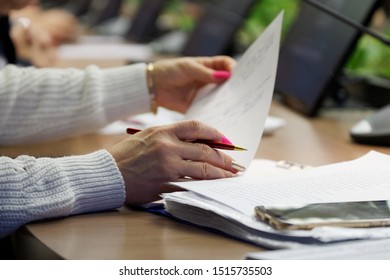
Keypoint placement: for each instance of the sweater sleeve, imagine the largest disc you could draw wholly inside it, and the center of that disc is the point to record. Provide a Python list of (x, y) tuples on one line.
[(34, 189), (42, 104)]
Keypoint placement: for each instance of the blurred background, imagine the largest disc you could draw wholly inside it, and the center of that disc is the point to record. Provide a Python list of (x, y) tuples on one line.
[(211, 27), (370, 56)]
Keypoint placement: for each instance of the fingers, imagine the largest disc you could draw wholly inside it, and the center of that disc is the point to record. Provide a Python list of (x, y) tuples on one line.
[(203, 170), (191, 130), (199, 160), (224, 63), (204, 153), (211, 70), (194, 159)]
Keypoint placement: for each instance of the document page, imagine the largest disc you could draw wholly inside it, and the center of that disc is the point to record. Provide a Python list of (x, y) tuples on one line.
[(240, 106), (364, 179)]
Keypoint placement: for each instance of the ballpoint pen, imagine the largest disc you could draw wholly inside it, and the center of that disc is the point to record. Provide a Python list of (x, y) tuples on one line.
[(210, 143)]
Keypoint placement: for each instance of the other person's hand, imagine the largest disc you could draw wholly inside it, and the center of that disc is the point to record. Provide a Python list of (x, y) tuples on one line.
[(33, 43)]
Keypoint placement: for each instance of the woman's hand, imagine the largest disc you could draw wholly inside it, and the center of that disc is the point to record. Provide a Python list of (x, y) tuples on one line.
[(176, 81), (62, 25), (37, 33), (155, 156), (59, 23)]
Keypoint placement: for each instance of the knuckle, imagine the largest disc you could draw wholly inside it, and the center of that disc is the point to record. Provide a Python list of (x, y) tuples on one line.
[(227, 161), (204, 152), (164, 168), (195, 126), (153, 130), (162, 144), (205, 170), (158, 132), (161, 149), (166, 171)]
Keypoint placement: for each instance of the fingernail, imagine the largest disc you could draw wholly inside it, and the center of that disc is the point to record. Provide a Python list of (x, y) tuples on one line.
[(224, 140), (221, 75), (238, 167)]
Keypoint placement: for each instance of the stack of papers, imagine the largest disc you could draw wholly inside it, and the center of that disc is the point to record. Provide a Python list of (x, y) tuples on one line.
[(228, 204)]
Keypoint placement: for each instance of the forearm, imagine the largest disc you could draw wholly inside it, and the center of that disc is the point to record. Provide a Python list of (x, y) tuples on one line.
[(40, 104), (34, 189)]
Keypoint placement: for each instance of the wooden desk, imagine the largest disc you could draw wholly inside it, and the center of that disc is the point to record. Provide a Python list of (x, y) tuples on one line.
[(131, 234)]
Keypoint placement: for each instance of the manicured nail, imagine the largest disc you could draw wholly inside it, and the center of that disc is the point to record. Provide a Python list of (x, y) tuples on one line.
[(221, 75), (238, 167), (224, 140)]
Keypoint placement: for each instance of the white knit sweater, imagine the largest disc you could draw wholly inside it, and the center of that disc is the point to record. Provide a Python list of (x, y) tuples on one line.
[(41, 104)]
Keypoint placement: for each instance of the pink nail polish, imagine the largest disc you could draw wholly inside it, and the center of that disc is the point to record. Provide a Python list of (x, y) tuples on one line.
[(224, 140), (221, 74)]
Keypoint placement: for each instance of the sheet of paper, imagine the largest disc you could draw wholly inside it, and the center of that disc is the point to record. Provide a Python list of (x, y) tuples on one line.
[(364, 179), (240, 106)]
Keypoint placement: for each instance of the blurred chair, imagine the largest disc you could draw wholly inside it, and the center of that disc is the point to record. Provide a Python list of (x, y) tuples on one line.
[(98, 11), (143, 26), (215, 30), (78, 7)]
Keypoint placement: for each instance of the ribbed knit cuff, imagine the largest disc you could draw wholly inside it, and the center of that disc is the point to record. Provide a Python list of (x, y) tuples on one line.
[(35, 189), (95, 180), (126, 91)]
